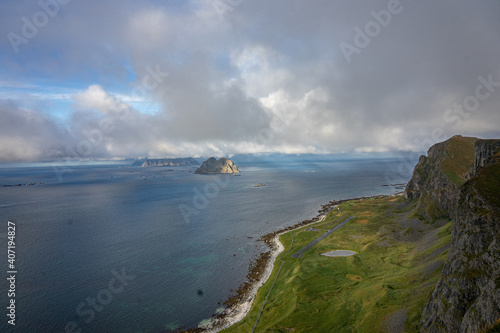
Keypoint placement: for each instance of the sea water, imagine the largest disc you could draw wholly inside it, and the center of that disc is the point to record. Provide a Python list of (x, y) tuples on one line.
[(115, 248)]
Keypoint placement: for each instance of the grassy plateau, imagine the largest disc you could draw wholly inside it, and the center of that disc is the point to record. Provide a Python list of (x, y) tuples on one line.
[(380, 289)]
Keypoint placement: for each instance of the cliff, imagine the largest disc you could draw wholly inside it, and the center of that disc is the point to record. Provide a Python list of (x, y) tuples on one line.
[(467, 296), (165, 162), (437, 177), (485, 153), (212, 165)]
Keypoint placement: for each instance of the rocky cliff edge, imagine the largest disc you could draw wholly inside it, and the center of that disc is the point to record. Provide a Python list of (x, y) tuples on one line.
[(467, 296)]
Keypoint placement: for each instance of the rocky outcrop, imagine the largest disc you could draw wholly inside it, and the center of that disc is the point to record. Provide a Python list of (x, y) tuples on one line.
[(159, 162), (437, 177), (467, 296), (485, 152), (420, 175), (212, 165)]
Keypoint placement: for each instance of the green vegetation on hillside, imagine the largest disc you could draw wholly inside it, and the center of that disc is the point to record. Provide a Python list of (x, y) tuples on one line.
[(488, 184), (495, 329), (438, 177), (381, 288), (459, 158)]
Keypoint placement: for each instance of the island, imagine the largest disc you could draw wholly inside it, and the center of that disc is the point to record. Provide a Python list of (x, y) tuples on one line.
[(159, 162), (212, 165)]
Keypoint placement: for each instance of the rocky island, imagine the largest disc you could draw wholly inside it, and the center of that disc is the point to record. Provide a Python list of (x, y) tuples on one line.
[(159, 162), (212, 165)]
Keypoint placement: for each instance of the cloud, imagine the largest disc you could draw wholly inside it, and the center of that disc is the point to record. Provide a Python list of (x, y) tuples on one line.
[(260, 76), (30, 135), (96, 98)]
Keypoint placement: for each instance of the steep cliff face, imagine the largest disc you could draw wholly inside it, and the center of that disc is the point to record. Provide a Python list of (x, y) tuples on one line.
[(158, 162), (467, 297), (212, 165), (436, 178), (485, 153)]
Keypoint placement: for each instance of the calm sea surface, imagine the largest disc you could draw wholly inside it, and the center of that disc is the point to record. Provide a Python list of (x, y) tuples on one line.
[(114, 248)]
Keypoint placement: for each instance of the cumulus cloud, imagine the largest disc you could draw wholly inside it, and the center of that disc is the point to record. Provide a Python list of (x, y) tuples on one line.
[(189, 78)]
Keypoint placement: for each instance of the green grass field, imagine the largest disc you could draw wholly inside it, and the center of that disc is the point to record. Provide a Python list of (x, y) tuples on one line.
[(459, 158), (381, 288)]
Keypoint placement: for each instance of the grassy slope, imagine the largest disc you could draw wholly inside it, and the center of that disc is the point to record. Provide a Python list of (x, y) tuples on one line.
[(488, 183), (495, 329), (359, 293), (459, 158), (455, 165)]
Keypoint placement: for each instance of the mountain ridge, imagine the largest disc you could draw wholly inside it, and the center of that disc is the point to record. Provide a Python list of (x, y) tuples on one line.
[(467, 296), (159, 162)]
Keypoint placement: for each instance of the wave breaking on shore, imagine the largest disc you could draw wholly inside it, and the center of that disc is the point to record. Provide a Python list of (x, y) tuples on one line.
[(239, 311), (240, 304)]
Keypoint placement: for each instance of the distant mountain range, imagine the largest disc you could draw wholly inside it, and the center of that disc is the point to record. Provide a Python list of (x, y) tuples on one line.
[(159, 162)]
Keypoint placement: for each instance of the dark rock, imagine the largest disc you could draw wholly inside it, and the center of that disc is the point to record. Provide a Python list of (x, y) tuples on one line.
[(467, 296), (485, 152), (436, 178)]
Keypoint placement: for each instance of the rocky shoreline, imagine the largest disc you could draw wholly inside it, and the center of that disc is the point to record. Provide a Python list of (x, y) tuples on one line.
[(239, 304)]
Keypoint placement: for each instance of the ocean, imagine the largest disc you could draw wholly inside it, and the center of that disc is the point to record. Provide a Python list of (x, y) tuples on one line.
[(115, 248)]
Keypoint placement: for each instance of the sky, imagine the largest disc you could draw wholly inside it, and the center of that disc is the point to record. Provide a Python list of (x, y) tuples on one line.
[(113, 79)]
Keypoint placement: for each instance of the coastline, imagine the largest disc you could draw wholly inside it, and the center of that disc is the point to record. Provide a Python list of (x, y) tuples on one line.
[(239, 311), (240, 303)]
